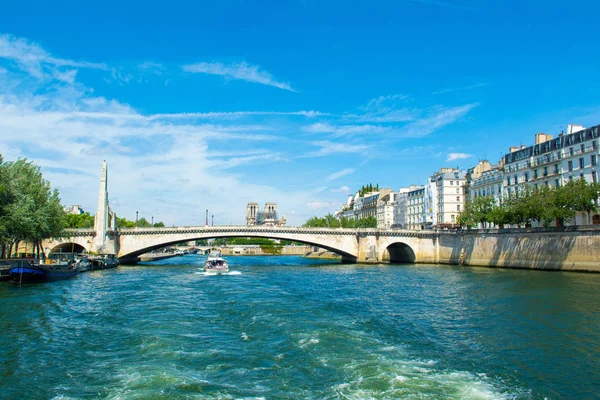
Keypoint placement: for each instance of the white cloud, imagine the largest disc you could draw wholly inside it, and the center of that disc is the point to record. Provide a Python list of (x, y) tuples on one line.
[(34, 60), (156, 68), (458, 156), (339, 174), (346, 130), (322, 205), (328, 148), (344, 189), (436, 119), (242, 71)]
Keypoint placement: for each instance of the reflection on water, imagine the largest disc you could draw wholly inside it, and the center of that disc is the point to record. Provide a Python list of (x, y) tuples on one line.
[(288, 327)]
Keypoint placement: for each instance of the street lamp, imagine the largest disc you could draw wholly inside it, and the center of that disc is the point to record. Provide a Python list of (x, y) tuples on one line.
[(206, 217), (136, 219), (213, 220)]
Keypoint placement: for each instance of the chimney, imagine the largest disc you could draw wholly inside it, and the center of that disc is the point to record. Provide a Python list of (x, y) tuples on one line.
[(512, 149)]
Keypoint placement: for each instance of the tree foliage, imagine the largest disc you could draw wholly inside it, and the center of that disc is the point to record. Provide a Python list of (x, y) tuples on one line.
[(329, 221), (75, 221), (543, 205), (29, 209)]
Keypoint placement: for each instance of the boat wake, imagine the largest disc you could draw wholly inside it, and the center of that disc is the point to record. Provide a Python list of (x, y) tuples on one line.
[(224, 273)]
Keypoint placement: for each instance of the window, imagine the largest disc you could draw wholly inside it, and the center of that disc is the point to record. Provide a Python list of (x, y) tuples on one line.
[(571, 151), (458, 208), (526, 175), (535, 174), (556, 168), (570, 165), (453, 218), (557, 182), (508, 180), (582, 148), (536, 186), (451, 183), (594, 178), (457, 198), (581, 176), (594, 145), (593, 160), (581, 163), (457, 190), (545, 171)]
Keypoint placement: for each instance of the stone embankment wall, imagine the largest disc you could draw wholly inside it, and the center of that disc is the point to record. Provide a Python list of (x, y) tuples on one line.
[(323, 254), (567, 249)]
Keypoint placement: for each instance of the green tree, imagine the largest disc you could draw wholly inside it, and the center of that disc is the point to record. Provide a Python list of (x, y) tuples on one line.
[(75, 221), (34, 212), (125, 223), (583, 196)]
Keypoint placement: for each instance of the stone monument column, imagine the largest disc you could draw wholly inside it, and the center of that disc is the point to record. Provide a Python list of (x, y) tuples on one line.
[(101, 220)]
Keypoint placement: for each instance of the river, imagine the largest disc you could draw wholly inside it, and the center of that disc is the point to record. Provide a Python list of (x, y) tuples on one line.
[(294, 328)]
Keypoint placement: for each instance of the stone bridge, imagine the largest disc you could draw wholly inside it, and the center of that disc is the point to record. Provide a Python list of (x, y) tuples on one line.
[(354, 245)]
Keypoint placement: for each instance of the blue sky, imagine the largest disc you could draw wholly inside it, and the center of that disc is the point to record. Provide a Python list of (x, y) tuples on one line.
[(208, 105)]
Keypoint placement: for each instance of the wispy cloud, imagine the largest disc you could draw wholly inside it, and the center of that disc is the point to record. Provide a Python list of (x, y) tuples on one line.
[(458, 89), (328, 148), (254, 159), (240, 114), (322, 205), (344, 189), (34, 60), (436, 119), (152, 66), (345, 130), (339, 174), (458, 156), (242, 71)]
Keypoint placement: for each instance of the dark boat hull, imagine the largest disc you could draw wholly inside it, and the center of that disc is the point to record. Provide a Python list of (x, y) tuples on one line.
[(103, 264), (35, 274)]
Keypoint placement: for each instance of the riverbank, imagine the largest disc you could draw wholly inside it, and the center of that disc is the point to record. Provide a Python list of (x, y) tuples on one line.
[(323, 255)]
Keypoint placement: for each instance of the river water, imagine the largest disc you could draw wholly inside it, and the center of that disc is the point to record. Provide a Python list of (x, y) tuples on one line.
[(293, 328)]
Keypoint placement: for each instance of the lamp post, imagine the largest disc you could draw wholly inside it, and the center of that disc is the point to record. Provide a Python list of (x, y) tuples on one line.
[(152, 221), (213, 220), (136, 219), (206, 217)]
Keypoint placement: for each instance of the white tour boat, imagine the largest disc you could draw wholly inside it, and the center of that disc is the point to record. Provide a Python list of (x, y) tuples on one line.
[(215, 264)]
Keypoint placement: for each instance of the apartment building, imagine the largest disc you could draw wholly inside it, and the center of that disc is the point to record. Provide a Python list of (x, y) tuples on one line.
[(450, 184)]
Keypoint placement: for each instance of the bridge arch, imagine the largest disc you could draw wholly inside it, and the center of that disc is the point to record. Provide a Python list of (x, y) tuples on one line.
[(401, 253), (135, 242)]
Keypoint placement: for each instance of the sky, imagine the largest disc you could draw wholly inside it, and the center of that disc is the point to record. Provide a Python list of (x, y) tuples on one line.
[(200, 105)]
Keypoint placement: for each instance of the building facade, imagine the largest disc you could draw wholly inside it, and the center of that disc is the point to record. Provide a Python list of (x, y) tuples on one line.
[(554, 161), (385, 210), (450, 184), (490, 183)]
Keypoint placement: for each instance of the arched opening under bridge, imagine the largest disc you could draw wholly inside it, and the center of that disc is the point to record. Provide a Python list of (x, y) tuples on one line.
[(133, 257), (65, 251), (401, 253)]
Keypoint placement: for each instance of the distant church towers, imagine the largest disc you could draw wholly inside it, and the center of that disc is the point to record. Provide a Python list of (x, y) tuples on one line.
[(268, 217)]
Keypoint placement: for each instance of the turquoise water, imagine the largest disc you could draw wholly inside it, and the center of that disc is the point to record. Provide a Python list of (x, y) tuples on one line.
[(292, 328)]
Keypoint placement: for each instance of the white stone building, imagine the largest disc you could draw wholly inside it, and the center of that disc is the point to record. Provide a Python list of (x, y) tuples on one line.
[(415, 203), (490, 183), (385, 210), (450, 184), (553, 161), (400, 207)]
